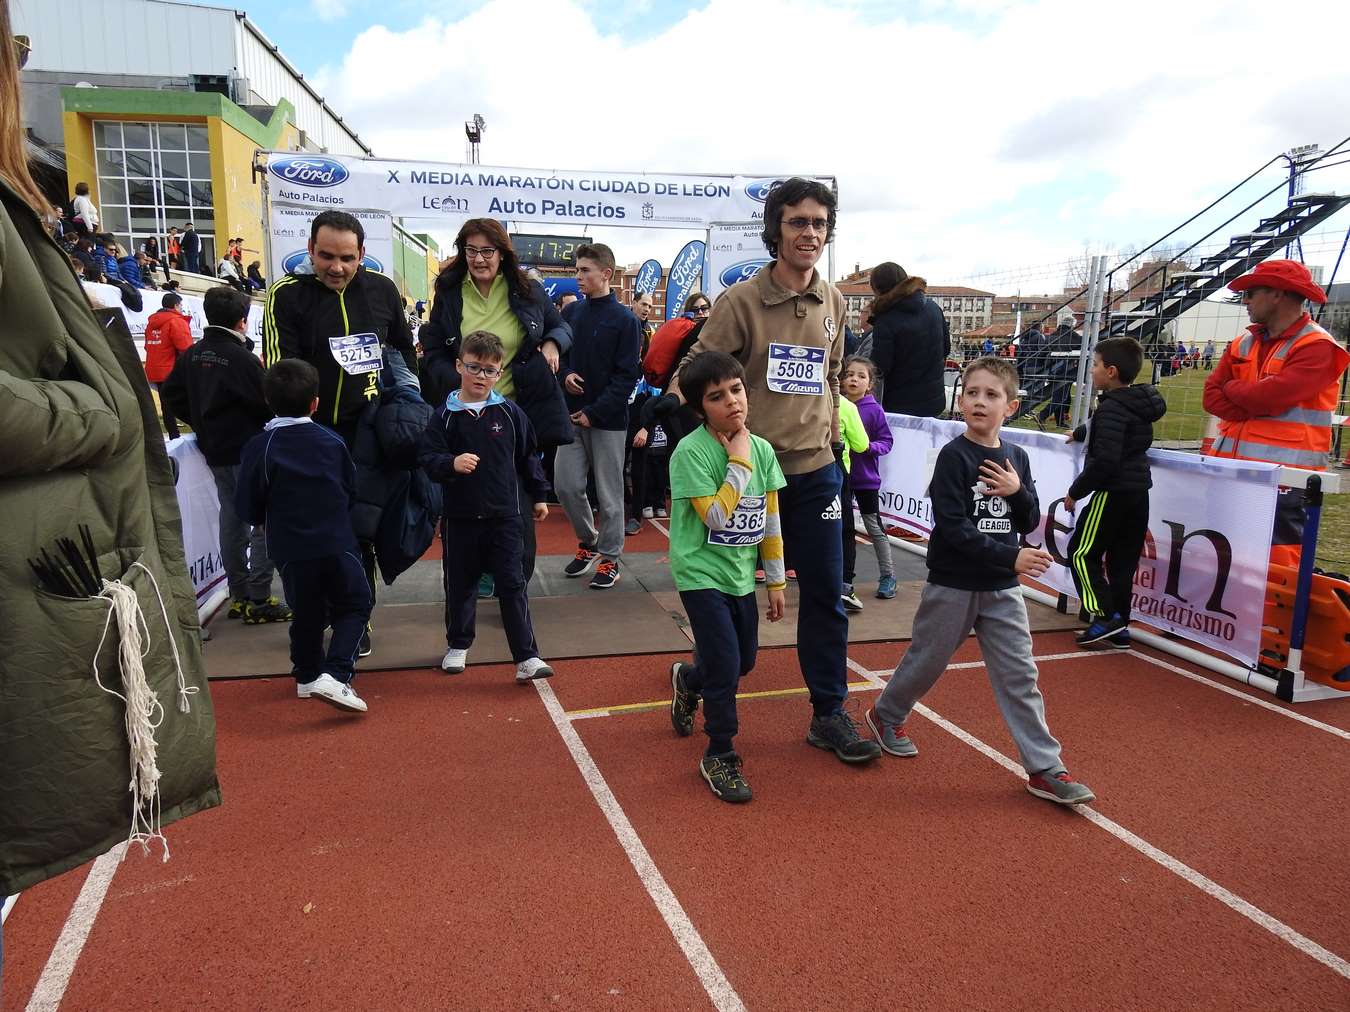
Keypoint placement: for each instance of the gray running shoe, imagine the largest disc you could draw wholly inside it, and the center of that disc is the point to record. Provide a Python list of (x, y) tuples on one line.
[(1060, 788), (891, 737)]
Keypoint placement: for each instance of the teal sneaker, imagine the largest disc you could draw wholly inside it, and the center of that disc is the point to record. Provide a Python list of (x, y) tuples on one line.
[(723, 773), (486, 586)]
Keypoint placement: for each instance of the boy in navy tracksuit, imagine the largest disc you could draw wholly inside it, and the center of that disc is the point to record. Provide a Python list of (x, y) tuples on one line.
[(298, 480), (476, 446)]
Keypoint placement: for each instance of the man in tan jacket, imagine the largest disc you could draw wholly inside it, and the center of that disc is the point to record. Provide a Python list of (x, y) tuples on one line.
[(785, 325)]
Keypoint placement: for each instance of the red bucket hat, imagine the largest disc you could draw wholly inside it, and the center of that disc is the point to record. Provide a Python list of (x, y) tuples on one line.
[(1286, 275)]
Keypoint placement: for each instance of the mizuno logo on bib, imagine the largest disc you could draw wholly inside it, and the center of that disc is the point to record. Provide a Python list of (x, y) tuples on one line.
[(745, 526)]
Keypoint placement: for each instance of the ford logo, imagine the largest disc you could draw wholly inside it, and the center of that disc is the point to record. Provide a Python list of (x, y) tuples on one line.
[(297, 258), (743, 271), (797, 352), (759, 189), (309, 170)]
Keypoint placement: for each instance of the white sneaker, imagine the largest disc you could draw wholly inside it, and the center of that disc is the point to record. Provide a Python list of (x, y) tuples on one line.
[(661, 512), (534, 667), (334, 693), (647, 513), (454, 661)]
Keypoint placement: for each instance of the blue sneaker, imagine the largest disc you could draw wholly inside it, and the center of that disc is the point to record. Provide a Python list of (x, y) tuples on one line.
[(886, 588), (486, 586), (1100, 629)]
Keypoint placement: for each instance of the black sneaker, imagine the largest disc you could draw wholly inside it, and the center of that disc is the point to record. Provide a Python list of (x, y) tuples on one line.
[(237, 606), (582, 562), (1120, 640), (850, 599), (723, 773), (684, 703), (1100, 629), (364, 650), (263, 612), (837, 733), (606, 575)]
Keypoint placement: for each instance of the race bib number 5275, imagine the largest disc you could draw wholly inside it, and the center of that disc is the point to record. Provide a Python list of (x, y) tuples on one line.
[(357, 354)]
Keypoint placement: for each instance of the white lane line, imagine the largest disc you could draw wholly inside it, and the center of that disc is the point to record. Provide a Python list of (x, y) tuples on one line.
[(1077, 655), (51, 986), (660, 528), (1253, 700), (710, 975), (1206, 885)]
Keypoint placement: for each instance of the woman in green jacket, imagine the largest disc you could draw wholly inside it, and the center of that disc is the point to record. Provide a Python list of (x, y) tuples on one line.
[(81, 446)]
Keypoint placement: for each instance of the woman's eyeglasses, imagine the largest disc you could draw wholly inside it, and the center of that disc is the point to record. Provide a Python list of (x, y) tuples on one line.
[(486, 371), (474, 253), (701, 310)]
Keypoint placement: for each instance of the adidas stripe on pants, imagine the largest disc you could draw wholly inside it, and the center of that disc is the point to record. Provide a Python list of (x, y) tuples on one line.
[(1104, 551)]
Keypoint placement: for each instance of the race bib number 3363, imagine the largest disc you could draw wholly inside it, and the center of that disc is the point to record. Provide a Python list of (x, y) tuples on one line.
[(796, 369)]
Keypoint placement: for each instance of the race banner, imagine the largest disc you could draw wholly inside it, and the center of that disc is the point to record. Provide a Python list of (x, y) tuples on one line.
[(735, 253), (1203, 571), (200, 509), (430, 190), (288, 228), (686, 274), (648, 278)]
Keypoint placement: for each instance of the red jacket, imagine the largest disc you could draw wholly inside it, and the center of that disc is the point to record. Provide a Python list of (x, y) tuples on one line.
[(167, 334)]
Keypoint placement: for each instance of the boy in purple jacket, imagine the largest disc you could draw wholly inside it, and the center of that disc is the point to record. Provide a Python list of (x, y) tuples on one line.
[(857, 382)]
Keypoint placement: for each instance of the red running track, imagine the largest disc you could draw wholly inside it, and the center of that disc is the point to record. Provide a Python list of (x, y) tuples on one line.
[(450, 854)]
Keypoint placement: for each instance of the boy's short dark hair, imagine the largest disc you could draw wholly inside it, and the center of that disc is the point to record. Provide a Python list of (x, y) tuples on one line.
[(864, 361), (1125, 353), (599, 252), (703, 371), (794, 191), (290, 387), (340, 221), (1000, 367), (224, 306), (483, 344)]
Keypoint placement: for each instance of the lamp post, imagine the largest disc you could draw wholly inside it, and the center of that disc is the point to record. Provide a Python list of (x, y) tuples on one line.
[(473, 129)]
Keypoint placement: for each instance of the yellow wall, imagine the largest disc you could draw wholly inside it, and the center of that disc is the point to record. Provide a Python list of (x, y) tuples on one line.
[(80, 168), (238, 199)]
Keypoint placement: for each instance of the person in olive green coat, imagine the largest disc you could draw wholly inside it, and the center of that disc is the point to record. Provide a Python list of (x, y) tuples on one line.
[(80, 444)]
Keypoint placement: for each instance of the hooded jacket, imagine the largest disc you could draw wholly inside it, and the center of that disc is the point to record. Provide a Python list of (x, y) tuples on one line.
[(217, 386), (1118, 437), (302, 314), (167, 335), (910, 343), (82, 446)]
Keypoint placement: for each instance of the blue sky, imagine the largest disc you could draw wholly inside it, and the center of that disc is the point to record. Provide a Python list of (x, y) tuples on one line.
[(973, 140)]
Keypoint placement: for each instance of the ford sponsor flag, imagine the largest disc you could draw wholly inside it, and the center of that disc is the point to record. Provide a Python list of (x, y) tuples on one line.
[(735, 253), (560, 286), (648, 277), (686, 274)]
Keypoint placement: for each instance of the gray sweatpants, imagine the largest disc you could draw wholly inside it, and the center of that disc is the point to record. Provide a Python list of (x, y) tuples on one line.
[(243, 549), (999, 618), (601, 451)]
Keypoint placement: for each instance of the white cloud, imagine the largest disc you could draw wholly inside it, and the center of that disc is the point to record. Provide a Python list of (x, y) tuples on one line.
[(330, 10), (971, 136)]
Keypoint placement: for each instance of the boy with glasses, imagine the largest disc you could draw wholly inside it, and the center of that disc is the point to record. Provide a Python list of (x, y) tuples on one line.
[(786, 327), (480, 447)]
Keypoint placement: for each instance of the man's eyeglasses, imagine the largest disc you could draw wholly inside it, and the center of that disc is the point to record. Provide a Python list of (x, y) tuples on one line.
[(486, 371), (799, 224), (702, 309), (474, 253)]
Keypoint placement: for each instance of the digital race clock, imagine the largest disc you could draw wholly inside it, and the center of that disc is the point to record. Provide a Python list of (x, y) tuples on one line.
[(547, 250)]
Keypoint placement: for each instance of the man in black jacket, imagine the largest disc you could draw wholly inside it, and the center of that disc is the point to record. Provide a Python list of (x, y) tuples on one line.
[(190, 246), (217, 385), (337, 316), (599, 375), (911, 340)]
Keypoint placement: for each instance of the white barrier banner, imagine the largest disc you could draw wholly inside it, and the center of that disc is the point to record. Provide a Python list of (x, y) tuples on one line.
[(152, 303), (288, 225), (735, 253), (200, 507), (1203, 571), (429, 190)]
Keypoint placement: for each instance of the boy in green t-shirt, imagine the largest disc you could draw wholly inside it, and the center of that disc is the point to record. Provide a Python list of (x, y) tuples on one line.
[(724, 492)]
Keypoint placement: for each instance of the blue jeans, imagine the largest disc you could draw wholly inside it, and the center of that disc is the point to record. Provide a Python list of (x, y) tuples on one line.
[(726, 639), (809, 507)]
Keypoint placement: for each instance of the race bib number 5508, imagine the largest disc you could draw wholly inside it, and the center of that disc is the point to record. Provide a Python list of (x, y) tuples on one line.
[(796, 369)]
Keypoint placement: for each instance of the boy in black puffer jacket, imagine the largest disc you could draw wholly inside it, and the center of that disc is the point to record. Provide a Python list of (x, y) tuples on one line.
[(1113, 527)]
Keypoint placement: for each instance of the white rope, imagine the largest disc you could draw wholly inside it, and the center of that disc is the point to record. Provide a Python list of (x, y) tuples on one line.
[(144, 712)]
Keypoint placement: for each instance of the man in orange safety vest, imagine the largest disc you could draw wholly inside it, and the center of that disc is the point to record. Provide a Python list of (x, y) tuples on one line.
[(1276, 387)]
